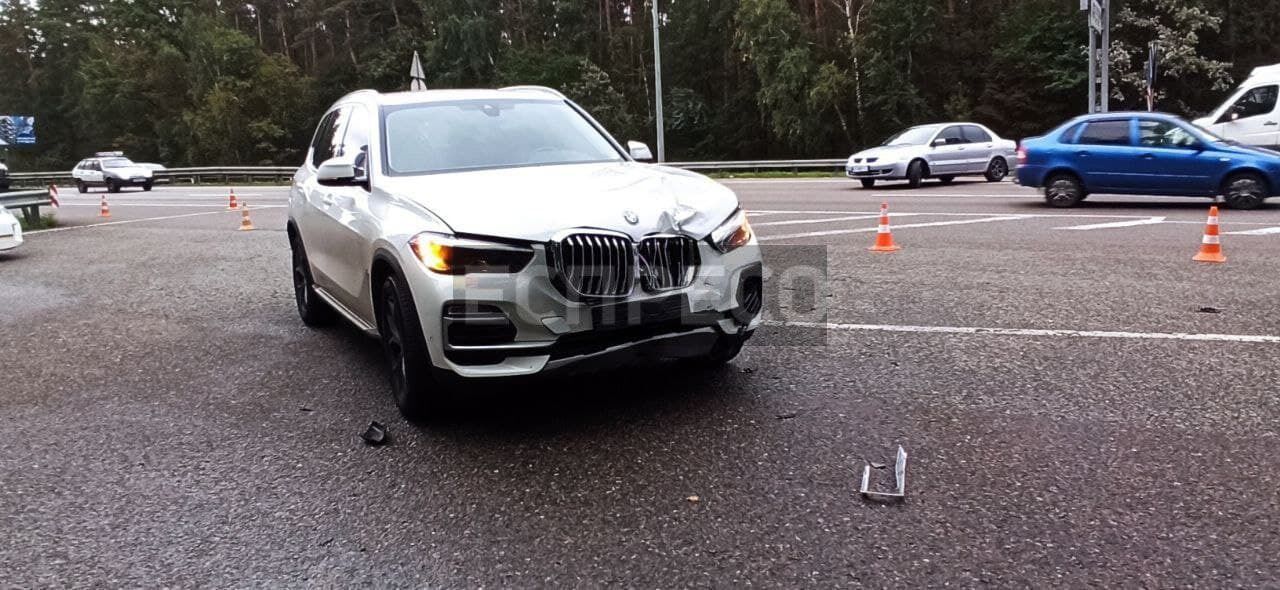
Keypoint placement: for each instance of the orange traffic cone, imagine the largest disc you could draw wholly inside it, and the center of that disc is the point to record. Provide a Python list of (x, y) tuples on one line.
[(106, 209), (1210, 245), (231, 204), (884, 238), (245, 224)]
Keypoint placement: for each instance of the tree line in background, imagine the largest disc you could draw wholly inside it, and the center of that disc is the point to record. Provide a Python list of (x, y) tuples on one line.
[(209, 82)]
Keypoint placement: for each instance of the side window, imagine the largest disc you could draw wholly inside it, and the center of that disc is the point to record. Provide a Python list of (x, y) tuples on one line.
[(327, 142), (952, 135), (1163, 134), (1258, 101), (975, 134), (1113, 132)]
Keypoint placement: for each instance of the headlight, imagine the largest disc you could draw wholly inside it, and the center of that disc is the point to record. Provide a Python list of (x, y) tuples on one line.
[(450, 255), (734, 233)]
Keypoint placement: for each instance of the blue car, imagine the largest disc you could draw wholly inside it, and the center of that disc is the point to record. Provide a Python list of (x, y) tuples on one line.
[(1145, 154)]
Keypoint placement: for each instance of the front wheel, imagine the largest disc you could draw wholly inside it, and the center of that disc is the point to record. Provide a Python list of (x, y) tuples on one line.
[(405, 348), (147, 187), (1063, 190), (867, 182), (915, 174), (82, 187), (113, 186), (997, 170), (1245, 191)]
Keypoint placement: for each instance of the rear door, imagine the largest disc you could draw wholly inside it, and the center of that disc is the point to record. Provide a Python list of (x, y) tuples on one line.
[(1104, 155), (949, 156), (981, 146), (1254, 118)]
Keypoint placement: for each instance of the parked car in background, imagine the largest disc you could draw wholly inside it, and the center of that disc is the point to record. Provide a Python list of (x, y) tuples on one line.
[(10, 230), (4, 177), (1145, 154), (111, 170), (503, 233), (943, 151), (1251, 115)]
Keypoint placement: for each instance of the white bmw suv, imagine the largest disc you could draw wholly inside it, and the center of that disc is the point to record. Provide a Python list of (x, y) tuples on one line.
[(503, 233)]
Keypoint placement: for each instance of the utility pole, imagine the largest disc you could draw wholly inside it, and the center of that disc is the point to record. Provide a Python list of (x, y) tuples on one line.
[(1099, 53), (657, 84)]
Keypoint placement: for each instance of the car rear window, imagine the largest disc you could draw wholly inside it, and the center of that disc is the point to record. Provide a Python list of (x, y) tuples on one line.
[(1113, 132), (975, 134)]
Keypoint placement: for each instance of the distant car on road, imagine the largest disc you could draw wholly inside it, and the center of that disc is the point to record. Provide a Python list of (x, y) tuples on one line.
[(10, 230), (112, 170), (501, 233), (4, 177), (943, 151), (1145, 154)]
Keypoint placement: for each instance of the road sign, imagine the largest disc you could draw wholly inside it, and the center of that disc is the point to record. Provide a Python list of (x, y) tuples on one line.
[(17, 129)]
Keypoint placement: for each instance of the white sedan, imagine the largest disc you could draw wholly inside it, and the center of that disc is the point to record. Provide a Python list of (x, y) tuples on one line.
[(10, 230), (942, 150)]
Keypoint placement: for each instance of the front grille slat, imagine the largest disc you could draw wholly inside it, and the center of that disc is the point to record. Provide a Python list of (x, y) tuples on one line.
[(605, 265)]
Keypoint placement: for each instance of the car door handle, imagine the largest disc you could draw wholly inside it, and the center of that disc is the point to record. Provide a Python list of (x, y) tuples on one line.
[(1082, 153), (326, 200), (1148, 156), (1271, 123)]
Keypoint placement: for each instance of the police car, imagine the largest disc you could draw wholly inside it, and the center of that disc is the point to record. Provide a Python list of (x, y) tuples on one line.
[(111, 170)]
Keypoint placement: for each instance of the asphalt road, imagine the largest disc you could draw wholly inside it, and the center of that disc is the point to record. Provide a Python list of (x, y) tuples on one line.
[(1072, 418)]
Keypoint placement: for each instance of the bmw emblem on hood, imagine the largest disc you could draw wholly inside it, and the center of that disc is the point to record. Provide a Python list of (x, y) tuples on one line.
[(631, 217)]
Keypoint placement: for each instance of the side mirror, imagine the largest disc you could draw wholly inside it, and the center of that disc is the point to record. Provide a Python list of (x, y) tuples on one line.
[(938, 142), (341, 171), (1235, 114), (639, 151)]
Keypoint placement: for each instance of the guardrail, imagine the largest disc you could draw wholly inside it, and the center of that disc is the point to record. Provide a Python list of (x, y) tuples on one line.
[(227, 174), (29, 202)]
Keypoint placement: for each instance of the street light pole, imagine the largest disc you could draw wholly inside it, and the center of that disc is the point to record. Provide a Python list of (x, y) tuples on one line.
[(657, 84)]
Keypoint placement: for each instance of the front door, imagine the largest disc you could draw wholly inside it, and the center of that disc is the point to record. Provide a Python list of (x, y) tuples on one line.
[(947, 154), (1172, 161)]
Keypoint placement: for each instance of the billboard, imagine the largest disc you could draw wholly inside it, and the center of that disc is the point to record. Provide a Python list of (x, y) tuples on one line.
[(17, 130)]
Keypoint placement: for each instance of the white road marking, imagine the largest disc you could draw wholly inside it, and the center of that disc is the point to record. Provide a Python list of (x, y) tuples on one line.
[(827, 219), (1249, 338), (905, 226), (1199, 221), (124, 221), (1113, 224), (1254, 232)]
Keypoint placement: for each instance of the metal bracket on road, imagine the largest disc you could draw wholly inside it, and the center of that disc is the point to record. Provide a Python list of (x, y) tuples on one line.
[(899, 475)]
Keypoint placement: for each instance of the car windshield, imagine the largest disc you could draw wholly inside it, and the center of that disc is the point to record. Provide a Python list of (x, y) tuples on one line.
[(116, 163), (913, 136), (473, 135)]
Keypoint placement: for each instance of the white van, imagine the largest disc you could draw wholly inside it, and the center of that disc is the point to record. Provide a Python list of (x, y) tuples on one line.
[(1252, 115)]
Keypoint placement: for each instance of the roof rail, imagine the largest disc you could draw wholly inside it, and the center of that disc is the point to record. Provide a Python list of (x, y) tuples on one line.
[(542, 89), (357, 93)]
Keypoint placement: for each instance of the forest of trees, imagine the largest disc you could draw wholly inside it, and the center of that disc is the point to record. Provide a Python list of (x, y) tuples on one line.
[(211, 82)]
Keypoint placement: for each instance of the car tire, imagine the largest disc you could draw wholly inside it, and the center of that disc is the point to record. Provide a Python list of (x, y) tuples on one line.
[(868, 182), (313, 310), (82, 187), (1245, 190), (113, 187), (405, 348), (997, 170), (1063, 190), (946, 179), (147, 187), (915, 173)]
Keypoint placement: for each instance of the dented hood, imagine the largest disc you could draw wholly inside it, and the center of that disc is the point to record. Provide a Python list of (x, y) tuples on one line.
[(535, 203)]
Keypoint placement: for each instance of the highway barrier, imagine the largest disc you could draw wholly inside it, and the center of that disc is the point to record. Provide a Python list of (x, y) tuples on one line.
[(29, 202), (247, 174)]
